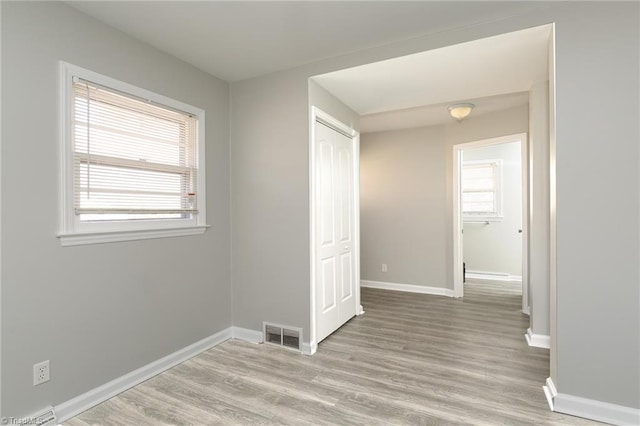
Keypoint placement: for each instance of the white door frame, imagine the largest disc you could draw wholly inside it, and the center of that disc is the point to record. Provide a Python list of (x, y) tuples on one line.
[(458, 286), (321, 116)]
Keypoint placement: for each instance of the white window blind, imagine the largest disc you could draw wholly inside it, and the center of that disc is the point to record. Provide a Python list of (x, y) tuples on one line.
[(132, 159), (480, 189)]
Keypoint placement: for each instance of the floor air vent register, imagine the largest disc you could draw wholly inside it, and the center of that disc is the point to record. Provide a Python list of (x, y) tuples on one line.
[(46, 417), (282, 335)]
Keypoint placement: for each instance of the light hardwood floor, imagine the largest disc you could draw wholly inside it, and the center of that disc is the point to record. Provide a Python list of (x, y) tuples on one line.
[(411, 359)]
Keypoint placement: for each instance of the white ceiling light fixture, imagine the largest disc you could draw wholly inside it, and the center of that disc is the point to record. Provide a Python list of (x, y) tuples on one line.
[(460, 111)]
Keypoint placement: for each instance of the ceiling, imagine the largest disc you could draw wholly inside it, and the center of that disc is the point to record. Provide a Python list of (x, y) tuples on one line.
[(430, 115), (238, 40), (493, 73), (502, 64)]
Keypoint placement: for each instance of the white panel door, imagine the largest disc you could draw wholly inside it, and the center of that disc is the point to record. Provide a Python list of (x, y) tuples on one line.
[(335, 259)]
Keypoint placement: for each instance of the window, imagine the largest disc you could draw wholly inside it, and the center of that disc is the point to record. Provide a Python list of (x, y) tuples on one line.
[(133, 162), (481, 196)]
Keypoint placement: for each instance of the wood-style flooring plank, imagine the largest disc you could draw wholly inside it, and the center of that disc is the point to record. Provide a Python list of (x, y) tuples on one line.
[(411, 359)]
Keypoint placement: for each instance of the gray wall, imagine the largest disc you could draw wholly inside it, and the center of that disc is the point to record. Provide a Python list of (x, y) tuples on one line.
[(269, 187), (270, 176), (321, 98), (597, 68), (497, 246), (402, 206), (597, 110), (116, 306)]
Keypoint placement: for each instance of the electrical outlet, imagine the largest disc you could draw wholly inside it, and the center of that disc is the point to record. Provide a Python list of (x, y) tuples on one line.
[(384, 267), (40, 373)]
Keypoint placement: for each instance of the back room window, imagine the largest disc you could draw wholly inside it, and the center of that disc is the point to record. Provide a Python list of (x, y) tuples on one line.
[(481, 190)]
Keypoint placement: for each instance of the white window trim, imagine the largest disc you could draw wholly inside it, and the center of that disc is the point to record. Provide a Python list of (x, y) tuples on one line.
[(72, 232), (481, 217)]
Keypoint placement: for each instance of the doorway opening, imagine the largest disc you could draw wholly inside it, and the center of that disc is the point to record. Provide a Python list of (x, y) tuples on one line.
[(411, 103), (490, 212)]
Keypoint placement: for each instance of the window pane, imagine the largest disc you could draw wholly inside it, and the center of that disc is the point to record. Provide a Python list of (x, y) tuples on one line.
[(475, 197), (133, 135), (479, 208), (478, 172), (133, 160), (479, 182), (101, 177)]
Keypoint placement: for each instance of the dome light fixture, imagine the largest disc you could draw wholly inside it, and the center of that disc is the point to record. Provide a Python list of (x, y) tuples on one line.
[(460, 111)]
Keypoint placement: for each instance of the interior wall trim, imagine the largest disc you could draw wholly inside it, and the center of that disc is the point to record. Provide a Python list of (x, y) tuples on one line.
[(596, 410), (409, 288), (83, 402), (537, 340)]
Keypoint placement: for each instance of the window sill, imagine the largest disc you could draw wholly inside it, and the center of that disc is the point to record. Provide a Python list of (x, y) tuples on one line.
[(482, 219), (79, 239)]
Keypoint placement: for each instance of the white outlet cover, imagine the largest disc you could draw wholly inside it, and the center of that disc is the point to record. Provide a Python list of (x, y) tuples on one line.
[(41, 373)]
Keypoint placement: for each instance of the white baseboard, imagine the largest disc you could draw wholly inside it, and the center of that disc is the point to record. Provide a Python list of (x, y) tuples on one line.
[(309, 348), (537, 340), (589, 408), (596, 410), (89, 399), (493, 276), (550, 392), (410, 288), (246, 334)]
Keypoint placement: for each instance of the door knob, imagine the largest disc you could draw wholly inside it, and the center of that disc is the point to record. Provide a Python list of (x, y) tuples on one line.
[(519, 231)]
